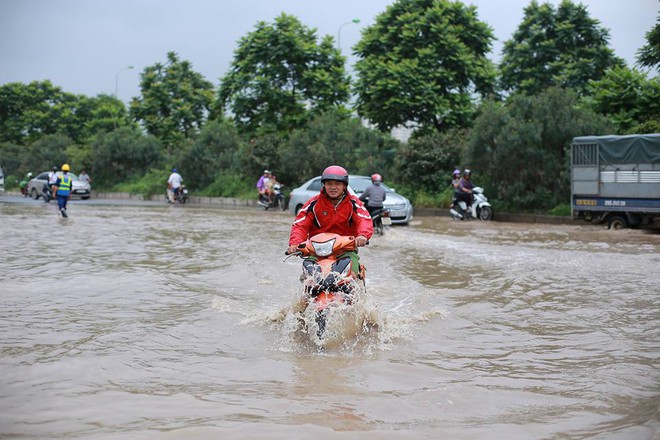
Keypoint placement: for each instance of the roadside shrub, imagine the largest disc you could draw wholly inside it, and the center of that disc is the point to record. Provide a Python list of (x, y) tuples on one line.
[(421, 198), (561, 210), (154, 182), (231, 185)]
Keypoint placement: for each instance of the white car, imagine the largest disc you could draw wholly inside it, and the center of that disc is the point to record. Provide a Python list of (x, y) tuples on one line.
[(401, 210), (2, 180), (78, 188)]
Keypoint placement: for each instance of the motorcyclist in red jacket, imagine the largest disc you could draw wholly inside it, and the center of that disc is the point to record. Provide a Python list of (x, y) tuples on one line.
[(333, 210)]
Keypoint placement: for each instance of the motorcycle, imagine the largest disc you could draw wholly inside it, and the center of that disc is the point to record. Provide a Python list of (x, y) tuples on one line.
[(181, 197), (276, 199), (381, 218), (480, 208), (331, 290), (47, 193)]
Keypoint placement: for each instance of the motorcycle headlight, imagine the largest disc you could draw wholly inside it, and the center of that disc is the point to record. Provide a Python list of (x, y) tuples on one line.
[(323, 249)]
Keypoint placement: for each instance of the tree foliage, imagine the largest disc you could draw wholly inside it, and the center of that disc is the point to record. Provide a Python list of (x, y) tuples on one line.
[(49, 151), (213, 152), (561, 47), (30, 111), (649, 54), (427, 161), (175, 101), (420, 64), (280, 77), (333, 138), (123, 154), (520, 148), (629, 100)]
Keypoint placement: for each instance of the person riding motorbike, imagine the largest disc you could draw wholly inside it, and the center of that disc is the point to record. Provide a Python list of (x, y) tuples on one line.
[(52, 180), (24, 183), (333, 210), (374, 195), (465, 187), (173, 185), (264, 188)]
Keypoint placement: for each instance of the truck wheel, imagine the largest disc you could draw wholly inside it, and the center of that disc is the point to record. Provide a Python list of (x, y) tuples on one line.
[(617, 222)]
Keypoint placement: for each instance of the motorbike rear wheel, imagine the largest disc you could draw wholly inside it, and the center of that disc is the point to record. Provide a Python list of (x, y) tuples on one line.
[(378, 227)]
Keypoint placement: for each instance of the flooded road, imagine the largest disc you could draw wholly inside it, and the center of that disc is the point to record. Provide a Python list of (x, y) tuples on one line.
[(159, 322)]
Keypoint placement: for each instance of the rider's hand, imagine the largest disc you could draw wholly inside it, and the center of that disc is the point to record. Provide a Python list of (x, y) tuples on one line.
[(361, 240), (291, 249)]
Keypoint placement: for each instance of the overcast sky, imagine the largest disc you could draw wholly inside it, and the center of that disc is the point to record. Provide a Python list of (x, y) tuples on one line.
[(84, 46)]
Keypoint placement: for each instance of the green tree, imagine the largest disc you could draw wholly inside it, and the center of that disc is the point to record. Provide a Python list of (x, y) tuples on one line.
[(427, 161), (123, 154), (561, 47), (213, 152), (105, 113), (628, 98), (520, 148), (14, 159), (333, 138), (49, 151), (280, 77), (174, 103), (421, 63), (31, 111), (649, 54), (259, 153)]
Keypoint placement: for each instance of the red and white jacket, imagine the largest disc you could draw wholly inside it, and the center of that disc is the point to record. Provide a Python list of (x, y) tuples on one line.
[(319, 215)]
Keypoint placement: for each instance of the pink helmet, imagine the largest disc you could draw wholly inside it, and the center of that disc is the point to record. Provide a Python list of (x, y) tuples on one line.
[(335, 172), (457, 172), (376, 177)]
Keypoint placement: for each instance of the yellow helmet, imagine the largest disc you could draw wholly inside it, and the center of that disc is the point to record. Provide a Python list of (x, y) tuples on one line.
[(65, 167)]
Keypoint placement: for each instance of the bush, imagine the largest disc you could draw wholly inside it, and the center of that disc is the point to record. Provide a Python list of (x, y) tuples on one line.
[(231, 185), (421, 198), (154, 182), (561, 210)]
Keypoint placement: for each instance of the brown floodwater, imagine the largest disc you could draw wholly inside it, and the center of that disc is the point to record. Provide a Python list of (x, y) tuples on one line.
[(174, 322)]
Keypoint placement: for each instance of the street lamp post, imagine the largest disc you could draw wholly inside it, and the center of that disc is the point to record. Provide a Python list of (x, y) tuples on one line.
[(117, 79), (355, 20)]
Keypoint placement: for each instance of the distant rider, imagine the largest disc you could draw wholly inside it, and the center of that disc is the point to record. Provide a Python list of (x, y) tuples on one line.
[(374, 196), (333, 210), (173, 185), (63, 189), (52, 180), (24, 183), (84, 177), (264, 187), (465, 188)]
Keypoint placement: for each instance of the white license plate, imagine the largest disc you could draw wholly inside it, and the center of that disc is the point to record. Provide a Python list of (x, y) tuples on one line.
[(185, 191), (387, 221)]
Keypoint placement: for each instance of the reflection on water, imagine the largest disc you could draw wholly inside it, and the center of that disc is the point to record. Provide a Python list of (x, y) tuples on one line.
[(175, 322)]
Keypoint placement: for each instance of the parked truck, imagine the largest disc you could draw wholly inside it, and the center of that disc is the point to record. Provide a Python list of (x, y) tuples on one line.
[(616, 180)]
